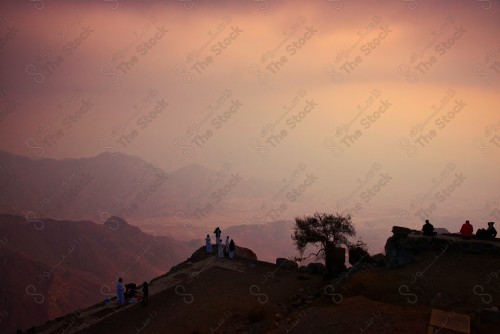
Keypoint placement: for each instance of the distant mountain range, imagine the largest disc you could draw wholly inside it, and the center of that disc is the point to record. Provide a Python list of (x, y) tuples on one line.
[(52, 267), (98, 187)]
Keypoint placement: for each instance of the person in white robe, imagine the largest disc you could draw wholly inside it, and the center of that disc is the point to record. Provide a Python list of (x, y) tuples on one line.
[(227, 245), (208, 244), (220, 249)]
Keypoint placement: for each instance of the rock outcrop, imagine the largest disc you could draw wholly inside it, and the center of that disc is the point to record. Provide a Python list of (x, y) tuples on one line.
[(241, 252), (316, 268), (404, 242)]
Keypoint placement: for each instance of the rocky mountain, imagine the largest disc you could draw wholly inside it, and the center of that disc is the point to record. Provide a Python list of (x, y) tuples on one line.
[(96, 188), (53, 267)]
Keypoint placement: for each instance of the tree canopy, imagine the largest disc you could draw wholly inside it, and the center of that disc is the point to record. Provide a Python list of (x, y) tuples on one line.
[(323, 229)]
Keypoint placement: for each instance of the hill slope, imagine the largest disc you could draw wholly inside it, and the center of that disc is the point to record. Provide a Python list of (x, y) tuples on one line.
[(250, 296), (62, 266)]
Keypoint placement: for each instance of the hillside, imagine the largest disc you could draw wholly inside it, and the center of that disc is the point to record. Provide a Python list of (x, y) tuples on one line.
[(52, 267), (245, 295)]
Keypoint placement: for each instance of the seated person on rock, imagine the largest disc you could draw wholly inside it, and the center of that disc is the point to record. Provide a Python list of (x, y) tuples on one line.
[(466, 230), (428, 229), (491, 232), (488, 234)]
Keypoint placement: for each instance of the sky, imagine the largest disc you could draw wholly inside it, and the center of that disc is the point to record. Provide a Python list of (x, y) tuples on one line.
[(388, 108)]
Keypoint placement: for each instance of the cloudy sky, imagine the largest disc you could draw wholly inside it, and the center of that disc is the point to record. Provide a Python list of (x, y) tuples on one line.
[(392, 106)]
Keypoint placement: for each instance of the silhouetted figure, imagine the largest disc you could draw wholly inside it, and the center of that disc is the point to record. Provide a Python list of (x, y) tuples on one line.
[(232, 249), (226, 248), (491, 231), (428, 229), (466, 230), (119, 292), (217, 232), (130, 290), (220, 249), (488, 234), (145, 293), (208, 244)]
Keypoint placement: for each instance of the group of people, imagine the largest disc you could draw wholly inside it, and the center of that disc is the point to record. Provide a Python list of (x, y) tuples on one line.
[(482, 234), (129, 292), (229, 248), (466, 231)]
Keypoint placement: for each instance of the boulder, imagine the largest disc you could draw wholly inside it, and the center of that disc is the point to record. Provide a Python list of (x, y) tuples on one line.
[(441, 230), (358, 255), (241, 252), (379, 259), (316, 268), (286, 264), (396, 257), (400, 232), (395, 254), (245, 253), (303, 269)]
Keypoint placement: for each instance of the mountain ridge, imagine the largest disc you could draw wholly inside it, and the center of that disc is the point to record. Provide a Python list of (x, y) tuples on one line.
[(97, 187)]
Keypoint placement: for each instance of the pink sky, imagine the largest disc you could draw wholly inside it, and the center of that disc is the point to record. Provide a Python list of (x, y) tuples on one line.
[(71, 109)]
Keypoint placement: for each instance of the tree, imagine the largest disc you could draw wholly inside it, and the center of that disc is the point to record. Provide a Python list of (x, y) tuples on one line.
[(325, 230)]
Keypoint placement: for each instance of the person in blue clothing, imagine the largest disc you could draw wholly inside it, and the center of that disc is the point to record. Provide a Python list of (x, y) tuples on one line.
[(119, 292)]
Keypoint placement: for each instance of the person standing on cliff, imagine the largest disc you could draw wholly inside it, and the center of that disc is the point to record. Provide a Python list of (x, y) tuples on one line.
[(217, 235), (208, 244), (119, 292), (466, 230), (226, 248), (232, 249), (220, 249)]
